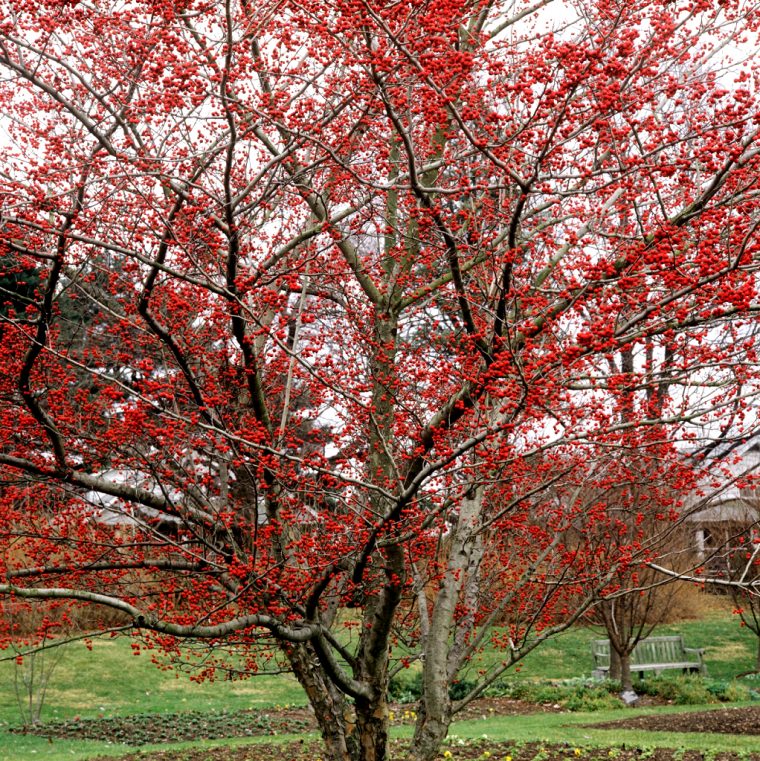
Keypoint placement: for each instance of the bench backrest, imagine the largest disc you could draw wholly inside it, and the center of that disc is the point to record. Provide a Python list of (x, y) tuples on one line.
[(650, 650)]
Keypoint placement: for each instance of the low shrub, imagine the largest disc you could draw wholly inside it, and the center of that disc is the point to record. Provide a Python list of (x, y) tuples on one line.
[(730, 692), (586, 694), (694, 689), (461, 688), (405, 687), (592, 699), (571, 694)]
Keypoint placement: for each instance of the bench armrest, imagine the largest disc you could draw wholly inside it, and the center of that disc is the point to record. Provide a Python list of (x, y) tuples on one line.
[(700, 653)]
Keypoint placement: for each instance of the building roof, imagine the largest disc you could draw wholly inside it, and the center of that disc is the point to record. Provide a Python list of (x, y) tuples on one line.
[(731, 490)]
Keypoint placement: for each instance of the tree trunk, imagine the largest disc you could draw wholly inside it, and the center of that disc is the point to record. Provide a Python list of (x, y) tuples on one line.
[(429, 733), (434, 714), (349, 734), (331, 710), (626, 682), (372, 729), (441, 663), (615, 666)]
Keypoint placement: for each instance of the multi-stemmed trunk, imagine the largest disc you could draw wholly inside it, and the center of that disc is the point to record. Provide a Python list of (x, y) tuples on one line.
[(356, 732), (331, 710), (620, 668), (359, 731)]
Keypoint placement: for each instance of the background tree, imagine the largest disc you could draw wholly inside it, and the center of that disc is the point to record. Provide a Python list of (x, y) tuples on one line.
[(741, 564), (637, 598), (353, 277), (17, 287)]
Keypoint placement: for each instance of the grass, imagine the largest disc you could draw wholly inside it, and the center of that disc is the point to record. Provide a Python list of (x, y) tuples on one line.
[(111, 681), (29, 748), (729, 648), (572, 729)]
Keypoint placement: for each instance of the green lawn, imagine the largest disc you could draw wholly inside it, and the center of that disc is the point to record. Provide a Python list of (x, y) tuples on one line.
[(573, 729), (729, 649), (109, 680)]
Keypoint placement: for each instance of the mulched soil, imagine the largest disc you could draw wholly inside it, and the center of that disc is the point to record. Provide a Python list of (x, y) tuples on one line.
[(150, 729), (473, 751), (486, 707), (730, 721)]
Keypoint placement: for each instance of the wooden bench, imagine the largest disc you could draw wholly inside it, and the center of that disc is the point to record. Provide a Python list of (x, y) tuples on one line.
[(656, 654)]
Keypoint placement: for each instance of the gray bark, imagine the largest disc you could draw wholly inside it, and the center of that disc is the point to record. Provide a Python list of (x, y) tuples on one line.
[(626, 681), (439, 668)]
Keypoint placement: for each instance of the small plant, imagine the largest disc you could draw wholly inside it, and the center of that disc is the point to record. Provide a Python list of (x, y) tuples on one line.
[(694, 690), (571, 694), (461, 688), (31, 678), (728, 692), (405, 687)]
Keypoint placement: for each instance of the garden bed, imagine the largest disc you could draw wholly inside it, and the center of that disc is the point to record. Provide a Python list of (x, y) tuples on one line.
[(480, 750), (142, 729), (149, 729), (730, 721)]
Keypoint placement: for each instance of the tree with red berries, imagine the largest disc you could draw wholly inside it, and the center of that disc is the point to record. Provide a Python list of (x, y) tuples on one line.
[(313, 315)]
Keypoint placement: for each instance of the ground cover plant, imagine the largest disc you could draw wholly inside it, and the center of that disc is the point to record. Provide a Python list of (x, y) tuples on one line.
[(152, 728)]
